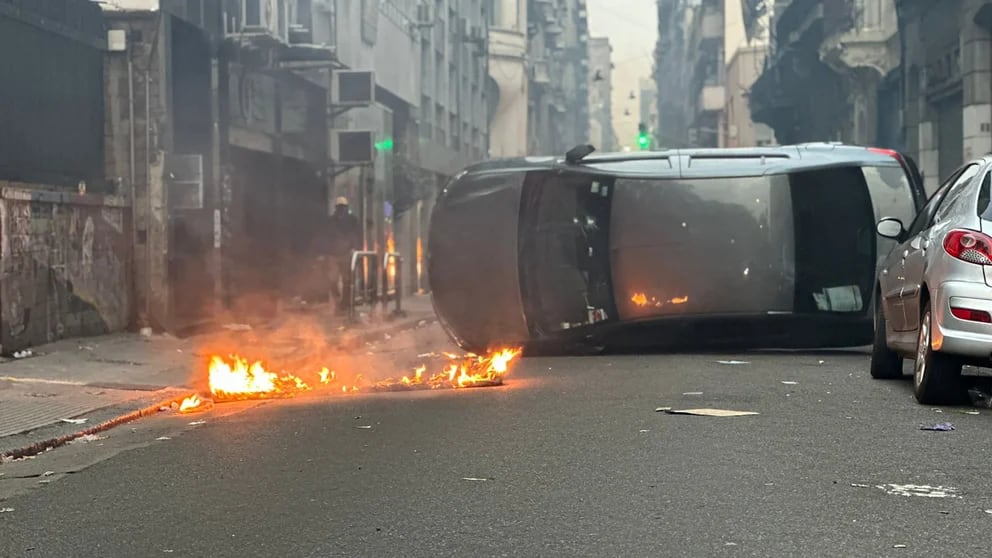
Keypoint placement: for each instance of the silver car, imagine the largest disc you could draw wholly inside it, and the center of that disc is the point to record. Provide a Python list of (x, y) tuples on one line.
[(934, 297)]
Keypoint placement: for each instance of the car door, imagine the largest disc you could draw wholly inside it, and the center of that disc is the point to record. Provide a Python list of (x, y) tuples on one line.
[(915, 252), (892, 275)]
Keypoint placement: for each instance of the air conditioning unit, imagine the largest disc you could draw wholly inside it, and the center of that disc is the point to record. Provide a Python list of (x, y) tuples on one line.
[(352, 88), (353, 147)]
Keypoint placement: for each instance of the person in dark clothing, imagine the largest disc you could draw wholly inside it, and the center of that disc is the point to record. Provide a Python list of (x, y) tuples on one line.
[(346, 238)]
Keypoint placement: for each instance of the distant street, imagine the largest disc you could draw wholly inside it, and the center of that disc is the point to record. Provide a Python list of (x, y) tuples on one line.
[(568, 459)]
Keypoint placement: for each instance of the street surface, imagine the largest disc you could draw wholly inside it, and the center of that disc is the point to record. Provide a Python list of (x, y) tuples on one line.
[(569, 458)]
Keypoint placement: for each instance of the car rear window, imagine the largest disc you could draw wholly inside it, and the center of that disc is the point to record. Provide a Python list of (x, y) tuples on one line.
[(985, 198)]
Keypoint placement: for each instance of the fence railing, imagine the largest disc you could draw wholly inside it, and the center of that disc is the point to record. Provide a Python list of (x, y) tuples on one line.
[(370, 289)]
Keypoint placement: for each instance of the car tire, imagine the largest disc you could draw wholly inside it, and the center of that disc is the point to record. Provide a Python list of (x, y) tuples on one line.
[(936, 376), (886, 364)]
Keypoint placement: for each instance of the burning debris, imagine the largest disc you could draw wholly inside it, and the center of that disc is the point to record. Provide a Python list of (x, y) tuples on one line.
[(642, 300), (236, 378)]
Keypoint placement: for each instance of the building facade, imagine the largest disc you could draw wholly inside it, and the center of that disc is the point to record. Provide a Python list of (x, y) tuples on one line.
[(947, 90), (558, 53), (745, 48), (508, 71), (833, 72), (601, 131), (647, 100)]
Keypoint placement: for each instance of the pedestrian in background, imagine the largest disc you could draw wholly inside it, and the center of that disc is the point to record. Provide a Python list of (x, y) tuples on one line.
[(346, 238)]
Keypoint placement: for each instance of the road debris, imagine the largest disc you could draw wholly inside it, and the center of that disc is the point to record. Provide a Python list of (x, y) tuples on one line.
[(662, 409), (939, 427), (732, 362), (162, 438), (925, 491), (710, 412), (73, 421), (859, 485), (693, 393), (364, 427), (6, 510), (789, 382), (197, 422), (477, 479), (898, 546), (642, 431), (89, 438)]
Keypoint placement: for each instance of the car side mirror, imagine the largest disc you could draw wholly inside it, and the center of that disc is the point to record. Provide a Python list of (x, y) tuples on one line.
[(890, 227)]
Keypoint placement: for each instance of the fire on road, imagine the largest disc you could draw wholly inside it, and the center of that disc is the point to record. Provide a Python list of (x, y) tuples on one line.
[(237, 378)]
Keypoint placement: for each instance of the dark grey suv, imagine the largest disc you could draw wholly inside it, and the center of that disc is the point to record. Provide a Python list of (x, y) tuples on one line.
[(754, 247)]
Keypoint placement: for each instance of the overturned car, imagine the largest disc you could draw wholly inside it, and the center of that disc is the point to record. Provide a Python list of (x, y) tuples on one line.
[(744, 248)]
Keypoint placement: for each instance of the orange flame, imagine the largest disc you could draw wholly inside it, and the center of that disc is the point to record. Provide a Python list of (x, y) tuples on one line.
[(237, 378), (642, 300), (190, 403)]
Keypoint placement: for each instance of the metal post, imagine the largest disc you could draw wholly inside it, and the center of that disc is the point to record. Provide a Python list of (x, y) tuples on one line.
[(396, 258), (358, 255)]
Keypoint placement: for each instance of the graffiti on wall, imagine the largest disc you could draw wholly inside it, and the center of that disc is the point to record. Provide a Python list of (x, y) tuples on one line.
[(64, 270)]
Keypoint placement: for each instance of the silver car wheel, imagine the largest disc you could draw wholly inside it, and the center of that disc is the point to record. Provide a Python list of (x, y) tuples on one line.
[(922, 347)]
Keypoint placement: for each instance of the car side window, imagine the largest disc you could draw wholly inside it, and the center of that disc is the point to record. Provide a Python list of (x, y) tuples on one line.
[(925, 217), (954, 193)]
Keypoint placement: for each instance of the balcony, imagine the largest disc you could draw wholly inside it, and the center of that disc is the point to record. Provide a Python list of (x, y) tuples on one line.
[(712, 98)]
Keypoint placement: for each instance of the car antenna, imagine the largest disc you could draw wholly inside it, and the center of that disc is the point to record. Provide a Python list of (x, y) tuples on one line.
[(577, 153)]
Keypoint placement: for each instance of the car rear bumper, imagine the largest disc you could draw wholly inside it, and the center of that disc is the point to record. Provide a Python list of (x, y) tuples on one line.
[(955, 336)]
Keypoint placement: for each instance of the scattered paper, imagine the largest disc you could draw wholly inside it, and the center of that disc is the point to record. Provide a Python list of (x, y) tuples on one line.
[(789, 383), (474, 479), (162, 438), (732, 362), (90, 438), (662, 409), (859, 485), (693, 393), (6, 510), (48, 473), (898, 546), (74, 421), (643, 431), (925, 491), (711, 412), (364, 427), (197, 422)]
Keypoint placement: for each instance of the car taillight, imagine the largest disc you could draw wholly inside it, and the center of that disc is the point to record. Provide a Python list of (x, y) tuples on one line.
[(969, 246), (888, 152), (972, 315)]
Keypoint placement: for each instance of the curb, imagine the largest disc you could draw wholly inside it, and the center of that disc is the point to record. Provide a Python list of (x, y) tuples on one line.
[(52, 443)]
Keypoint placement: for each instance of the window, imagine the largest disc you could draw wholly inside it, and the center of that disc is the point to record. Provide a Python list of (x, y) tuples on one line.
[(955, 192), (925, 218)]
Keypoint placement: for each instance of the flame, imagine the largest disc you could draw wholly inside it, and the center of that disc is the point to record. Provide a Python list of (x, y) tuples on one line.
[(390, 248), (190, 403), (237, 378), (420, 260), (642, 300)]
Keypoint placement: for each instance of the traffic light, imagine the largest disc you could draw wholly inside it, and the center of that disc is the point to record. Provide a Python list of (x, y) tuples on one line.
[(384, 145), (643, 139)]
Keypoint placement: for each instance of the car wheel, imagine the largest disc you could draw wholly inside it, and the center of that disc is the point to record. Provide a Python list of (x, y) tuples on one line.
[(886, 364), (936, 376)]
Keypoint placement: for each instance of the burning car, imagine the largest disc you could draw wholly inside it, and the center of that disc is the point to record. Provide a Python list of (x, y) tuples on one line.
[(755, 247)]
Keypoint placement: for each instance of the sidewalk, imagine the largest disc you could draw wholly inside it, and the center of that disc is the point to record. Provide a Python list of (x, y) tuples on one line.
[(74, 378)]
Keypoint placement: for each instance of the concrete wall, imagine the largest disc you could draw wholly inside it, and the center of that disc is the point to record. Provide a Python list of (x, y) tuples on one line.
[(64, 270)]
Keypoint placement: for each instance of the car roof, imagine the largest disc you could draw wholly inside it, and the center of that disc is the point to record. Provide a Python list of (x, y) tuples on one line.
[(704, 162)]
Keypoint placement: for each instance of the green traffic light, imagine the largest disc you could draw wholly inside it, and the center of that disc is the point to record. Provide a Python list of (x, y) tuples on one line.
[(644, 141), (384, 145)]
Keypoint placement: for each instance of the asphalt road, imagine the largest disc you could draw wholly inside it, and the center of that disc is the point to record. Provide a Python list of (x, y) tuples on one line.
[(569, 458)]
